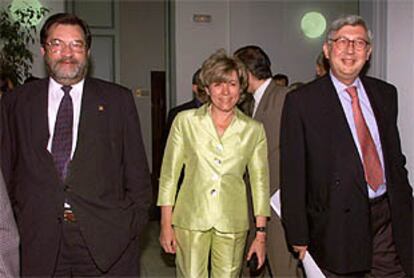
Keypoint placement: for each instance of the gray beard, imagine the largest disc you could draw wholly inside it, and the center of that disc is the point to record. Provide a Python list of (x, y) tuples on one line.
[(65, 77)]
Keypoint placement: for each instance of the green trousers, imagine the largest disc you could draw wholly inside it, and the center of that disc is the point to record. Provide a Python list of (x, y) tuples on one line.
[(195, 247)]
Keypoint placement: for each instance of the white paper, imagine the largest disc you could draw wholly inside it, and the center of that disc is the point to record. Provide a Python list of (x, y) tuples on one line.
[(311, 268)]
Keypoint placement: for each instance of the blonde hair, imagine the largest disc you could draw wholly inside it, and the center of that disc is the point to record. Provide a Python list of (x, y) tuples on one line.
[(217, 68)]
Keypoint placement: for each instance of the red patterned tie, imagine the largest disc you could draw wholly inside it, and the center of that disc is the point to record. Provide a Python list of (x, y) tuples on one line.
[(372, 166), (62, 138)]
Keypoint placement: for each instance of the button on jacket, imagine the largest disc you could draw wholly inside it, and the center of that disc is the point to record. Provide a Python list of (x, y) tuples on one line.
[(213, 193)]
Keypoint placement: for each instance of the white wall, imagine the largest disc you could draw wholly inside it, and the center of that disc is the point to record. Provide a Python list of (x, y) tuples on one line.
[(400, 70), (196, 41), (142, 49), (273, 25)]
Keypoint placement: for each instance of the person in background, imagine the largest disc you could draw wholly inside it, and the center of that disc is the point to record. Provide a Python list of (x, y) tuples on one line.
[(281, 79), (74, 163), (216, 143), (322, 65), (345, 193), (9, 237), (6, 85), (196, 102), (295, 86), (267, 108)]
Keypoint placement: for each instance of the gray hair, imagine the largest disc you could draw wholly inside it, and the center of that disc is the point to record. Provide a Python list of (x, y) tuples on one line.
[(353, 20)]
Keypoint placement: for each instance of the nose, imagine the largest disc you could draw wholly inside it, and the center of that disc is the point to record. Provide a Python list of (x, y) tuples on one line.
[(225, 88), (67, 50), (350, 48)]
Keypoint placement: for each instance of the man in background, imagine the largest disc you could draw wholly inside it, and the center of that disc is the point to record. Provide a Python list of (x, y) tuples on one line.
[(268, 98), (74, 163), (345, 193), (9, 237), (195, 102), (281, 79)]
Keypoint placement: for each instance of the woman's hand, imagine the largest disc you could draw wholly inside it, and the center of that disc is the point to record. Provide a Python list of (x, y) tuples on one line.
[(167, 235), (167, 239), (258, 246)]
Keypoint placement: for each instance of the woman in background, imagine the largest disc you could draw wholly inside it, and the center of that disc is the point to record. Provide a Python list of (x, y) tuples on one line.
[(216, 143)]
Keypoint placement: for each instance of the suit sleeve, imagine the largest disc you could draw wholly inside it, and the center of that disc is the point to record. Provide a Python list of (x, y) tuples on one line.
[(9, 238), (172, 164), (136, 173), (293, 173), (8, 140), (398, 159), (258, 168)]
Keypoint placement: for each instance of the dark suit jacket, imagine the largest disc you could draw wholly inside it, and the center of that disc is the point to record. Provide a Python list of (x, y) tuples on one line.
[(107, 185), (325, 201), (269, 113)]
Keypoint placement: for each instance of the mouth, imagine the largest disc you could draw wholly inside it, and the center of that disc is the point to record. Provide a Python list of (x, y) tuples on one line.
[(68, 62), (348, 62)]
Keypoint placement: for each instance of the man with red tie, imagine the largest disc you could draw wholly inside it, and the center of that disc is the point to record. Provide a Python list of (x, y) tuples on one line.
[(345, 193)]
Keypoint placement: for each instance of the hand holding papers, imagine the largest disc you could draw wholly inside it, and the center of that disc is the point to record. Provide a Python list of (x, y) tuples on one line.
[(311, 268)]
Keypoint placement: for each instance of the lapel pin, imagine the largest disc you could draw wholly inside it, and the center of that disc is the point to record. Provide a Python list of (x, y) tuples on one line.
[(100, 108)]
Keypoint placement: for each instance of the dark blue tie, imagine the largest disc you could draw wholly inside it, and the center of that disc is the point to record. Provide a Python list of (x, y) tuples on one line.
[(62, 137)]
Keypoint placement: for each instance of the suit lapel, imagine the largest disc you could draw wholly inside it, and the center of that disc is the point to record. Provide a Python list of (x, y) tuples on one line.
[(235, 128), (206, 122), (38, 115), (341, 136), (92, 105)]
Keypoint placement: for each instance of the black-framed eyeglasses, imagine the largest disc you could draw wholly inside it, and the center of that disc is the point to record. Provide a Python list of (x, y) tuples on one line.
[(343, 43), (57, 46)]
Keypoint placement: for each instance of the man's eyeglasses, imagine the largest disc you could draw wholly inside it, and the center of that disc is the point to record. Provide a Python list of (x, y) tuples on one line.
[(343, 43), (57, 46)]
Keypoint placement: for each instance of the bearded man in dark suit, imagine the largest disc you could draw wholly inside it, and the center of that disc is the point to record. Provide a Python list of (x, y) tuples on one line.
[(345, 193), (74, 163)]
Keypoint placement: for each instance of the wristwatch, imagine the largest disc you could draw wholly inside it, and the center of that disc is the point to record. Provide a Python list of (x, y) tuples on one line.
[(261, 229)]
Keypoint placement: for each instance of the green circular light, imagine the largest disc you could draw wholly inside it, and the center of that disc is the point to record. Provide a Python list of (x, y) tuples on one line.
[(313, 24)]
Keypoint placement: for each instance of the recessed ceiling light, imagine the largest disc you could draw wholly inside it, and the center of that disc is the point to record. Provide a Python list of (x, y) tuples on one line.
[(313, 24)]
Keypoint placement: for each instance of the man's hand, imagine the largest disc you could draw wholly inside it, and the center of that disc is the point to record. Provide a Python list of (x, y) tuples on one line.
[(301, 250)]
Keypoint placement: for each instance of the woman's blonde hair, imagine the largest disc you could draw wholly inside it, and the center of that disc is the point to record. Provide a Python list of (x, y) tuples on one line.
[(217, 68)]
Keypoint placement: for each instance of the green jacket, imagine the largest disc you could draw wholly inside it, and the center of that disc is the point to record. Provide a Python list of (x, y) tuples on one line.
[(213, 193)]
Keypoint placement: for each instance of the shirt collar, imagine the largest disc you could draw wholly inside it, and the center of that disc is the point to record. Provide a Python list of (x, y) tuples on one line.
[(258, 94), (341, 87), (56, 89)]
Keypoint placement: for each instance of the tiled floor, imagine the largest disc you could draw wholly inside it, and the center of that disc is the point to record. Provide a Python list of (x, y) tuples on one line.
[(153, 262)]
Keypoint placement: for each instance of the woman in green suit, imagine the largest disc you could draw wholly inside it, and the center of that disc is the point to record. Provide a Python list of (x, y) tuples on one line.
[(216, 143)]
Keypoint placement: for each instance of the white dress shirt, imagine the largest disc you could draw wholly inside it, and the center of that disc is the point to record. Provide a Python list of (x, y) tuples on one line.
[(258, 94), (54, 98), (369, 116)]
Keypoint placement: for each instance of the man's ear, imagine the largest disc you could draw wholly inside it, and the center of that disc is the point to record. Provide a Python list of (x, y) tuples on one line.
[(325, 49), (369, 52), (43, 51)]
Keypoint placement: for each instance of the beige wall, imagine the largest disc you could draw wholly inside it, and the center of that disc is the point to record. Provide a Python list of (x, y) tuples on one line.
[(400, 70)]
